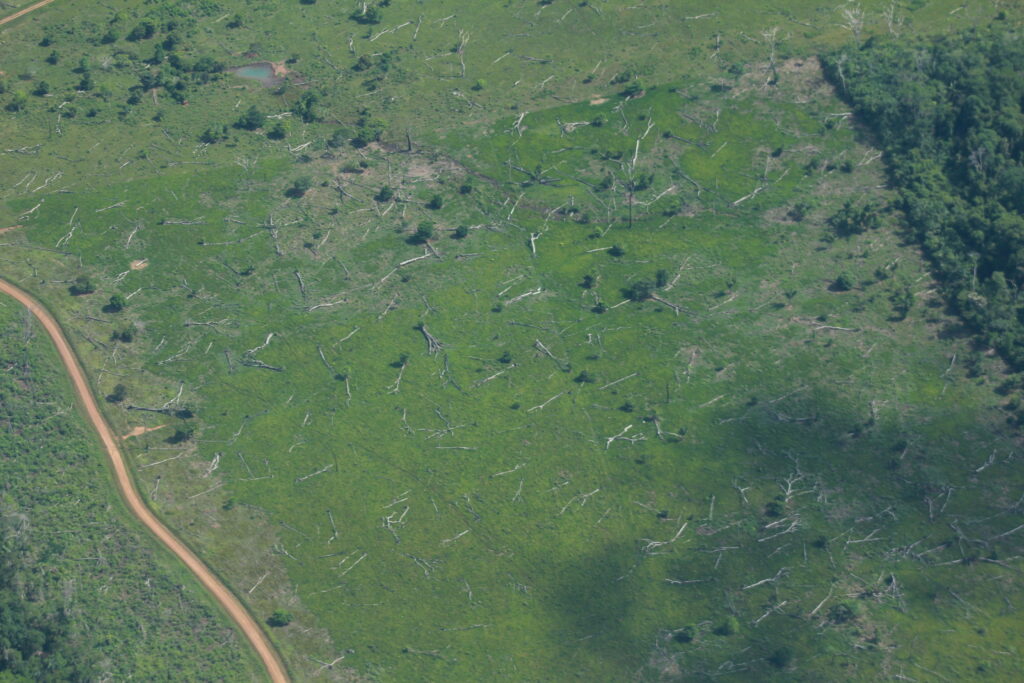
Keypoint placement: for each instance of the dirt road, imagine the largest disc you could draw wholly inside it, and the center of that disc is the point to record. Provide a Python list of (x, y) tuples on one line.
[(131, 496), (25, 11)]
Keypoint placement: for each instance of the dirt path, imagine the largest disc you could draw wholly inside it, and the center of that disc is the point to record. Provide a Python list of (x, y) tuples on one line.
[(25, 11), (126, 487)]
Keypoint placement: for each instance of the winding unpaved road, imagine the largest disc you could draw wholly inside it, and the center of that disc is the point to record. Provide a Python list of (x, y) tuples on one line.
[(131, 496), (25, 11)]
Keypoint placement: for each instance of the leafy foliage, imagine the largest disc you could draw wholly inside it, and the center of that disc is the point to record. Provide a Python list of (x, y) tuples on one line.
[(948, 113)]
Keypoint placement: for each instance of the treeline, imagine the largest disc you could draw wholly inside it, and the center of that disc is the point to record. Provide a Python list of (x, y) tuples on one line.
[(948, 114)]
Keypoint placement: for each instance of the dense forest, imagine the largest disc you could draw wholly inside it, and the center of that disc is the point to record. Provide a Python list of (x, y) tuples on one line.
[(947, 111)]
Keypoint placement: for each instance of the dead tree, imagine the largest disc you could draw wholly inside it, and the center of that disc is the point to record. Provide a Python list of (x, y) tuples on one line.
[(433, 345)]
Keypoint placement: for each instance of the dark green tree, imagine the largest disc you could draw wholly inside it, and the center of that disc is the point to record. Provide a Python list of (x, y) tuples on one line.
[(842, 283), (299, 187), (639, 291), (117, 304), (424, 233), (252, 119)]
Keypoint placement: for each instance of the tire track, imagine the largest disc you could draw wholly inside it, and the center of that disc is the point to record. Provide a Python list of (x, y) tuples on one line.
[(21, 13)]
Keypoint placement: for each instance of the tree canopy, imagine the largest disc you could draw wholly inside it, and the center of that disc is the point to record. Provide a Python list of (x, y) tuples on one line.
[(948, 113)]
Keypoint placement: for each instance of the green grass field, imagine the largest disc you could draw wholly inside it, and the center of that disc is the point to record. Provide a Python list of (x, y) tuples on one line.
[(762, 473)]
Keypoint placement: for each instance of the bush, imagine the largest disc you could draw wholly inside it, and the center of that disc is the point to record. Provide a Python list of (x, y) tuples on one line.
[(252, 119), (119, 394), (844, 612), (180, 436), (799, 212), (299, 187), (384, 195), (143, 31), (729, 627), (584, 378), (116, 305), (279, 618), (461, 232), (125, 334), (82, 285), (843, 283), (781, 658), (851, 220), (616, 251), (277, 132), (337, 139), (632, 90), (435, 203), (685, 635), (639, 291), (18, 102), (424, 232)]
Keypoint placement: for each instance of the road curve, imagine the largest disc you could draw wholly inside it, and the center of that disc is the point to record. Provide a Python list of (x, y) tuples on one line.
[(126, 486), (25, 11)]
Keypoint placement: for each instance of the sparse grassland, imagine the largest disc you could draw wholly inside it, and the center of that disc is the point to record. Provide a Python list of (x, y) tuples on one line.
[(621, 404)]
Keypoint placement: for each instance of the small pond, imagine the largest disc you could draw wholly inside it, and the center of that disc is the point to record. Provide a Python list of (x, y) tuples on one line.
[(263, 72)]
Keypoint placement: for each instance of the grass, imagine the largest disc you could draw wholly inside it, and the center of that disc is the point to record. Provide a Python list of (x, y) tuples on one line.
[(483, 523)]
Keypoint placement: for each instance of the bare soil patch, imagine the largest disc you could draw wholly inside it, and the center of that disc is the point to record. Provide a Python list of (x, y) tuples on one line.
[(140, 430)]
